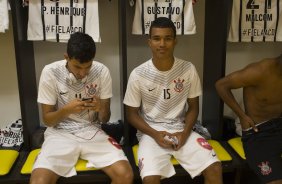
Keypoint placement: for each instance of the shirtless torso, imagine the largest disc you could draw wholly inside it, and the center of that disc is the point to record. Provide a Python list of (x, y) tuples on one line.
[(263, 100), (262, 91)]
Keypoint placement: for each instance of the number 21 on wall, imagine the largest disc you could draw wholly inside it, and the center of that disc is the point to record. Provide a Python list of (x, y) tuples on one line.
[(252, 5)]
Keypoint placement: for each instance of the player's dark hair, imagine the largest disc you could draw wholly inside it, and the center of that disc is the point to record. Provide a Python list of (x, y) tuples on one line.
[(81, 47), (163, 22)]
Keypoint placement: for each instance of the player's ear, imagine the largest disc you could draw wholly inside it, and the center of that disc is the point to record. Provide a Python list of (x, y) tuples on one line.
[(149, 42), (66, 56)]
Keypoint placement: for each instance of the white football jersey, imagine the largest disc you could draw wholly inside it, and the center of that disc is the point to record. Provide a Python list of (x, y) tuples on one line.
[(162, 95), (256, 21), (179, 11), (58, 88), (56, 20)]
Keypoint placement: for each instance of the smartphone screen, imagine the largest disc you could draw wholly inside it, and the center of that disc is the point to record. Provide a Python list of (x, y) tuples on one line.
[(86, 99)]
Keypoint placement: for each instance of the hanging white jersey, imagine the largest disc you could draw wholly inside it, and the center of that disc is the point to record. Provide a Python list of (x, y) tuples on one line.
[(256, 21), (56, 20), (179, 11), (4, 16)]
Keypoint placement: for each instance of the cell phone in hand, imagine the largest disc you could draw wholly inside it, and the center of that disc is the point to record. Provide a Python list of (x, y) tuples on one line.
[(88, 102), (172, 139), (87, 98)]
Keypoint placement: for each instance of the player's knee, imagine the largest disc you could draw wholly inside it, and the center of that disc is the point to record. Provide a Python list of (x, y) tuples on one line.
[(126, 177), (151, 179), (123, 175), (40, 180), (36, 180), (123, 178), (43, 176), (216, 167), (213, 171)]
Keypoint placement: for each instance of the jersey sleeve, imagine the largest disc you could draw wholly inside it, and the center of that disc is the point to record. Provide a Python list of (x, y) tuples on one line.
[(196, 88), (47, 93), (132, 95), (106, 84)]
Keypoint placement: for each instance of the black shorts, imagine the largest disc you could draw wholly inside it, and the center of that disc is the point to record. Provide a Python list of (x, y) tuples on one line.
[(263, 150)]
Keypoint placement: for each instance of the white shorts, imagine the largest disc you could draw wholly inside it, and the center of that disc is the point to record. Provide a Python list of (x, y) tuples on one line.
[(60, 152), (195, 156)]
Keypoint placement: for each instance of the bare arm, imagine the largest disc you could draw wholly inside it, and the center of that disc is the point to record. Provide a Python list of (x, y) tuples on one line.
[(224, 87), (191, 115), (104, 113), (190, 120), (101, 106), (135, 120), (52, 116), (247, 77)]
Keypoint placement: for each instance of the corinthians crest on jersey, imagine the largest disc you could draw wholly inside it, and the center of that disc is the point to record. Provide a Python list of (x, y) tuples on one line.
[(178, 85), (91, 89), (265, 169)]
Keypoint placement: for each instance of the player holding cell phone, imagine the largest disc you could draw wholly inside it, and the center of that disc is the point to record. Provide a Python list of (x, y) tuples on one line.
[(92, 103), (173, 140), (73, 121)]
